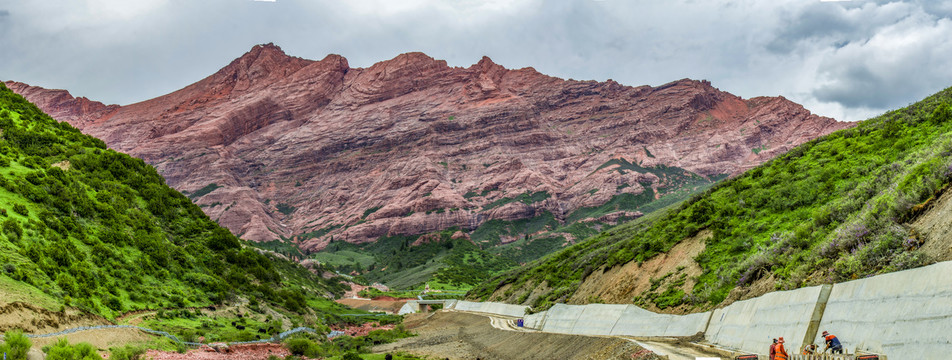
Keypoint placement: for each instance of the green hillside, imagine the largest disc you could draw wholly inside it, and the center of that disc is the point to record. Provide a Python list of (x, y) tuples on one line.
[(90, 227), (829, 210), (394, 261)]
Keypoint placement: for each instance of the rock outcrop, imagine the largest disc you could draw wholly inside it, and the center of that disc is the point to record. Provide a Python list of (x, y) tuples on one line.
[(315, 150)]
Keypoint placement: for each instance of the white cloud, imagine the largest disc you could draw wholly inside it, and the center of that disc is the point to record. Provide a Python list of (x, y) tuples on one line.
[(843, 59)]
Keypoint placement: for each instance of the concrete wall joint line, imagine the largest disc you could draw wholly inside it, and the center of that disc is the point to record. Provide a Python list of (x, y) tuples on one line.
[(708, 323), (817, 316), (617, 319), (572, 328)]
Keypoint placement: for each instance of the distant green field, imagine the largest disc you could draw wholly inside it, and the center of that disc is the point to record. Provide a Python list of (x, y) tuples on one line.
[(345, 258)]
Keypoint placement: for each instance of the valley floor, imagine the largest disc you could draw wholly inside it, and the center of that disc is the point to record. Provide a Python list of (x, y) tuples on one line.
[(459, 335)]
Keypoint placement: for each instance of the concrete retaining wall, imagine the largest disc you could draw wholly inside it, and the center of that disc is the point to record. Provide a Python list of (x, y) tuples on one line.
[(468, 306), (409, 308), (504, 309), (640, 322), (492, 308), (905, 315), (561, 318), (598, 319), (534, 321), (602, 319), (750, 325)]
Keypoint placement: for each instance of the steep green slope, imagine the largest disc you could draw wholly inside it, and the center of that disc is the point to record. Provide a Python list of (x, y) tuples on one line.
[(829, 210), (100, 230)]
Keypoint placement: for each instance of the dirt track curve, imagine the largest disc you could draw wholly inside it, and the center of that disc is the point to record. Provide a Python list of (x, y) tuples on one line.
[(458, 335)]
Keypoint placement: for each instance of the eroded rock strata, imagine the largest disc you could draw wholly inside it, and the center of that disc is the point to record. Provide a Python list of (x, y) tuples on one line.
[(274, 146)]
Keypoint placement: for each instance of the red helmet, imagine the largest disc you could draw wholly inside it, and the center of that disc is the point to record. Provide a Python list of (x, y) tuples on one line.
[(780, 340), (825, 333)]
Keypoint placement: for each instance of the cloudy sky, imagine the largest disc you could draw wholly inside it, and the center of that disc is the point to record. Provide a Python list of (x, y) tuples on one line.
[(846, 59)]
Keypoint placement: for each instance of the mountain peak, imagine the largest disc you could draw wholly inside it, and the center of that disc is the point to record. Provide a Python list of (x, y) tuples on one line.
[(327, 131), (263, 61)]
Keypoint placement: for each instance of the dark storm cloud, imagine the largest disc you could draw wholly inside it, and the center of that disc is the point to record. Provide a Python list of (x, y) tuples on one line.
[(847, 60), (816, 21)]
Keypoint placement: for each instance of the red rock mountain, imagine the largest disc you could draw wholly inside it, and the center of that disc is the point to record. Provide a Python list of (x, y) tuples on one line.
[(308, 149)]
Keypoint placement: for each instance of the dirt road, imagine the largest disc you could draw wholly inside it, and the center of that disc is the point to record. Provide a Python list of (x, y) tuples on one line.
[(457, 335), (675, 352)]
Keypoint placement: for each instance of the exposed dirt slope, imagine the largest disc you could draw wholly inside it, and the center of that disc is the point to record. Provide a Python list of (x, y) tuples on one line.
[(100, 339), (456, 335), (934, 228), (389, 306), (37, 320), (619, 285), (317, 149)]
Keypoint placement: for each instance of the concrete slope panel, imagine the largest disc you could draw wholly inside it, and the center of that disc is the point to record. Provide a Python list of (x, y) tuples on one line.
[(686, 325), (598, 319), (469, 306), (561, 318), (409, 308), (905, 315), (534, 321), (503, 309), (750, 325), (636, 321)]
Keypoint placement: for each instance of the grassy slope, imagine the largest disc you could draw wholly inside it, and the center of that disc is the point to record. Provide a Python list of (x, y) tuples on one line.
[(98, 229), (829, 210)]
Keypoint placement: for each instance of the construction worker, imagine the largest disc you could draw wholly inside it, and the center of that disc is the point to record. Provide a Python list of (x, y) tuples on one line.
[(832, 343), (809, 350), (773, 349), (781, 351)]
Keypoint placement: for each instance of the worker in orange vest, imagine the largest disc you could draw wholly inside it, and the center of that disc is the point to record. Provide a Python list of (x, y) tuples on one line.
[(781, 352), (809, 349)]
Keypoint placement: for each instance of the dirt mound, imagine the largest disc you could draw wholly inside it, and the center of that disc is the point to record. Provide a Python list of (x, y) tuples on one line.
[(457, 335), (234, 352), (388, 306), (101, 338), (37, 320)]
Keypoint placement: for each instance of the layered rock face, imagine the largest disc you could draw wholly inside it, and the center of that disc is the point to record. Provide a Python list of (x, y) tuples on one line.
[(315, 150)]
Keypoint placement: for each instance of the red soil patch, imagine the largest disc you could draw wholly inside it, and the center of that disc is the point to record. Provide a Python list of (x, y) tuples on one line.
[(361, 330), (234, 352)]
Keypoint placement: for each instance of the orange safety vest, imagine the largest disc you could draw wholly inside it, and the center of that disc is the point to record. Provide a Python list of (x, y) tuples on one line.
[(781, 352)]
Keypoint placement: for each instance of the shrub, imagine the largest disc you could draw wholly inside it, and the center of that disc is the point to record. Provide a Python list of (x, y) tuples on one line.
[(61, 350), (21, 209), (127, 352), (301, 346), (17, 345)]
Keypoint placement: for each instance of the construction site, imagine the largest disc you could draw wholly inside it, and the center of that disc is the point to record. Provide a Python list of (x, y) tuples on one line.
[(900, 316)]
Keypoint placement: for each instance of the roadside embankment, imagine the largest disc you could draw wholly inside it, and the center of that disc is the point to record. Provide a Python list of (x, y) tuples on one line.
[(457, 335), (904, 315)]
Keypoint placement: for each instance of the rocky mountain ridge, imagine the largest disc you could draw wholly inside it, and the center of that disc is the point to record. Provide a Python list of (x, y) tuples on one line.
[(278, 147)]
